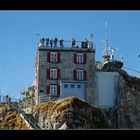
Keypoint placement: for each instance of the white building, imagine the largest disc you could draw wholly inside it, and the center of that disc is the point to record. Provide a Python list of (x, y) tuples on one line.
[(109, 85)]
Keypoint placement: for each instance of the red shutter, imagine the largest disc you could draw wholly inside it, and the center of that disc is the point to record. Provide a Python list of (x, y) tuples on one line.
[(48, 90), (75, 75), (58, 73), (58, 57), (85, 75), (58, 90), (48, 73), (48, 57), (75, 57), (85, 58)]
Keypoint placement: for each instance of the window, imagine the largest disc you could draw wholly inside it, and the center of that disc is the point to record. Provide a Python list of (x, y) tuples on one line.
[(79, 58), (41, 90), (53, 90), (53, 57), (72, 86), (65, 86), (78, 86), (53, 73), (80, 75)]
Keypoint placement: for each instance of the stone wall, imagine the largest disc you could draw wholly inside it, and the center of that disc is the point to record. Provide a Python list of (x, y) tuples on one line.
[(66, 67)]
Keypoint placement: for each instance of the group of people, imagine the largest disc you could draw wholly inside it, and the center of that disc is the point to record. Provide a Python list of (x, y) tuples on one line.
[(53, 42), (84, 43)]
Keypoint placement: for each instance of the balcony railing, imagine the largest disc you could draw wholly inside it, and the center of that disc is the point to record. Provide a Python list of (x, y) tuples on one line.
[(66, 44)]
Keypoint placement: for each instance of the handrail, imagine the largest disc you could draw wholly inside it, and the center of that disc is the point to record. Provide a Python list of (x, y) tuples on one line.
[(32, 123)]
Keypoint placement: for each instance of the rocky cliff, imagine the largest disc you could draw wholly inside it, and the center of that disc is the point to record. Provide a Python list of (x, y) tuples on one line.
[(69, 113), (126, 115), (10, 119), (129, 108)]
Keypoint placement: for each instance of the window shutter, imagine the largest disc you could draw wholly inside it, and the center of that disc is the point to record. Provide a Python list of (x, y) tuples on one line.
[(85, 58), (58, 90), (75, 75), (48, 73), (58, 73), (48, 57), (48, 90), (85, 75), (75, 57), (58, 57)]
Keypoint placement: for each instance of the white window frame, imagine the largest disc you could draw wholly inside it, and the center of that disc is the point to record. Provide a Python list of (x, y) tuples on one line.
[(53, 73), (53, 90), (80, 58), (53, 57), (80, 75)]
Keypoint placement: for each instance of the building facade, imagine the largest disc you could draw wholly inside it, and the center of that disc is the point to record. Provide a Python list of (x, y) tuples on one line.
[(109, 86), (64, 71)]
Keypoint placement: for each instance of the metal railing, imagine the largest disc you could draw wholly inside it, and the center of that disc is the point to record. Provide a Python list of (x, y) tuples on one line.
[(44, 98), (28, 117), (67, 44)]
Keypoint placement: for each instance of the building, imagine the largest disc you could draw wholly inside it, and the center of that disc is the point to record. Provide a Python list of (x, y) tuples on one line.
[(109, 86), (64, 70), (69, 69)]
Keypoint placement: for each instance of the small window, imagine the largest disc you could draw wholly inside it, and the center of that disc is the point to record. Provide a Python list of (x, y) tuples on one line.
[(72, 86), (53, 73), (53, 57), (78, 86), (79, 58), (80, 75), (41, 90), (53, 90), (65, 86)]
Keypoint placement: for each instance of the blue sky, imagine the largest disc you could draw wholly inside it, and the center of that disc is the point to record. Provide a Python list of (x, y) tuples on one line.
[(18, 41)]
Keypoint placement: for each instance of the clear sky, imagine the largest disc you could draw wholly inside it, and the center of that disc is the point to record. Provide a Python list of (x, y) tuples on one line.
[(18, 39)]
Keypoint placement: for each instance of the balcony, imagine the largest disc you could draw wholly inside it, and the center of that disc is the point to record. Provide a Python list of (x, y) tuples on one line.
[(67, 45)]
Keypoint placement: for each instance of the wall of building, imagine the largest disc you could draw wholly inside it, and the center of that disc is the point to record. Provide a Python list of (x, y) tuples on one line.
[(108, 87), (66, 67), (76, 89)]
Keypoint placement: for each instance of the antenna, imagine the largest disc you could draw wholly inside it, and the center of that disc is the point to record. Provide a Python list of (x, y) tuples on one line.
[(106, 31), (106, 55)]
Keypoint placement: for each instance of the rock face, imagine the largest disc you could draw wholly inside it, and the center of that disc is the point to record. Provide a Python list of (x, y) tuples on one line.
[(129, 109), (9, 119), (69, 113), (126, 115)]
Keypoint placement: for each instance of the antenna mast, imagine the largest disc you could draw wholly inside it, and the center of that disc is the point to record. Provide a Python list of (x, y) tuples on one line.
[(106, 35), (106, 55)]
